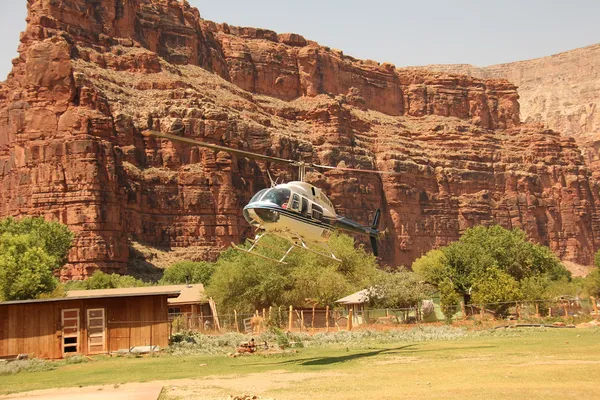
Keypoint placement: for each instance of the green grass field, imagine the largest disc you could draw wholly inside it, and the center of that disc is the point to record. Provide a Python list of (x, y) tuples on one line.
[(521, 364)]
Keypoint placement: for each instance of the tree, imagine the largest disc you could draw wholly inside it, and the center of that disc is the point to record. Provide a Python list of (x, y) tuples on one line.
[(448, 298), (31, 251), (483, 252), (101, 280), (566, 287), (535, 287), (53, 237), (245, 282), (592, 283), (398, 289), (432, 267), (188, 272), (496, 289)]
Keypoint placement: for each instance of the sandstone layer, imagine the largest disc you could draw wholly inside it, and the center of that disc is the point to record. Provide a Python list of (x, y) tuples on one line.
[(561, 91), (92, 75)]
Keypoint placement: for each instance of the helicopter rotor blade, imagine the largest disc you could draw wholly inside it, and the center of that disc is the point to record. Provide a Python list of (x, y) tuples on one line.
[(238, 152), (248, 154), (368, 171)]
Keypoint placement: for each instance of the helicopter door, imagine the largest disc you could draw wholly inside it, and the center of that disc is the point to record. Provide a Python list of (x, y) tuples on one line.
[(304, 210), (295, 202)]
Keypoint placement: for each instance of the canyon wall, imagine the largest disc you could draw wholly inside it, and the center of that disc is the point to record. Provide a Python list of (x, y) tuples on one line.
[(561, 91), (92, 75)]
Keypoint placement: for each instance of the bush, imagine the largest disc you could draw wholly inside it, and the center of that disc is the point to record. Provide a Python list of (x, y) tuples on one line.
[(76, 359), (33, 365), (188, 272), (187, 343), (101, 280)]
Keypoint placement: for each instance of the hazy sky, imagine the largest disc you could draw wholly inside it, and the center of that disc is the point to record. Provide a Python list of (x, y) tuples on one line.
[(479, 32)]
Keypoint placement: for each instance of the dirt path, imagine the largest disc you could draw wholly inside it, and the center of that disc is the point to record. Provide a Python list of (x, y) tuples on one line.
[(208, 388), (128, 391)]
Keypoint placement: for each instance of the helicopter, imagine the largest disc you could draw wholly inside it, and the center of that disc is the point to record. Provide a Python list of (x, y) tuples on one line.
[(295, 211)]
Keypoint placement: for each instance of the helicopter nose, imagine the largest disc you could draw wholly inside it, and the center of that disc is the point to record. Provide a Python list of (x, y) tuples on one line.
[(251, 217), (256, 216)]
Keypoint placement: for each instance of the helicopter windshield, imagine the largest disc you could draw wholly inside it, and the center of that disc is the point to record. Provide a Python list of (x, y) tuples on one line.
[(258, 195), (280, 197)]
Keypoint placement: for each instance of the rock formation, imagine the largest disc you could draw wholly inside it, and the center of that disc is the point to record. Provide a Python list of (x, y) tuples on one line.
[(92, 75), (561, 91)]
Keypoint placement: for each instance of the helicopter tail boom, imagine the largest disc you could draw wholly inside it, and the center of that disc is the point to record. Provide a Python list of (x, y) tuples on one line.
[(346, 224)]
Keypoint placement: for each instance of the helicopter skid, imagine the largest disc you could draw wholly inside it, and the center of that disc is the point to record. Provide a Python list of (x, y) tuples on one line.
[(253, 253), (294, 245), (303, 246)]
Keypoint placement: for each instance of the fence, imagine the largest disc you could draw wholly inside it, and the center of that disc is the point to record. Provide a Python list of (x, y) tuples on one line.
[(323, 320)]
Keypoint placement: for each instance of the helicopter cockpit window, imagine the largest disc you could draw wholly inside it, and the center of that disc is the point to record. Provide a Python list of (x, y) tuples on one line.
[(280, 197), (295, 202), (258, 195)]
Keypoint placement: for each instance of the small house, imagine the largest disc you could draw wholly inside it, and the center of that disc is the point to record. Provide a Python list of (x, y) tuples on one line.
[(86, 322), (193, 308), (357, 302)]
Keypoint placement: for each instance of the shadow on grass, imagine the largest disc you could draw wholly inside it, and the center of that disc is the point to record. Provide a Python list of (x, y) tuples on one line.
[(339, 359), (407, 349)]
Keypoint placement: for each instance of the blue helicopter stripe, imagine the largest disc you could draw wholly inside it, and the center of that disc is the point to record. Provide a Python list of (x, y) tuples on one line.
[(340, 223)]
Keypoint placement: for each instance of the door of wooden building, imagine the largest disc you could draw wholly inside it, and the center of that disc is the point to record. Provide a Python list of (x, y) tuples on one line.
[(96, 330), (70, 331)]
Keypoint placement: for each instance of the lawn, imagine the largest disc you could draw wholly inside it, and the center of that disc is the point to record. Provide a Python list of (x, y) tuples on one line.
[(528, 363)]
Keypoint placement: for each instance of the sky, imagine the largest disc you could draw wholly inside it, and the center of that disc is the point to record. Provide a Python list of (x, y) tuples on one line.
[(478, 32)]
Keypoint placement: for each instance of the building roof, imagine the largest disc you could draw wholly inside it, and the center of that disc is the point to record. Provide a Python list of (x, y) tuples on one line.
[(355, 298), (187, 294), (190, 294), (177, 294), (104, 293)]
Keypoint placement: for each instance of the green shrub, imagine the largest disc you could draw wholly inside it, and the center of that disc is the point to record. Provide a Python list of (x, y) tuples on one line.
[(33, 365)]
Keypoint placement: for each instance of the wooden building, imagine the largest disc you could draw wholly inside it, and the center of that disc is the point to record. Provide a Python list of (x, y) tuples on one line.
[(192, 300), (193, 307), (86, 322)]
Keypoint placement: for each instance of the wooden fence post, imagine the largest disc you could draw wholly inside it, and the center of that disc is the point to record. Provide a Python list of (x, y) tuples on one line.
[(312, 322), (301, 320), (518, 311), (327, 319), (349, 324), (463, 310), (279, 320), (290, 318), (537, 309), (565, 308), (595, 305), (237, 327)]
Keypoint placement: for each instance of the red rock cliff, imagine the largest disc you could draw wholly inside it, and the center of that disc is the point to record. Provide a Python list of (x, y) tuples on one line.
[(91, 75)]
